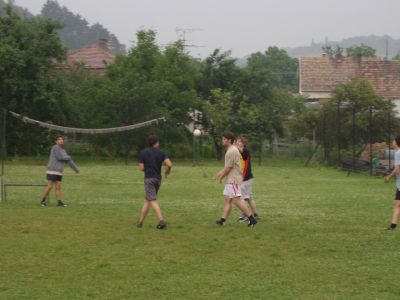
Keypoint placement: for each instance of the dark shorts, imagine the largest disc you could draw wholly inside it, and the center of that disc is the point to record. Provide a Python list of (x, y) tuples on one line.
[(397, 197), (52, 177), (151, 187)]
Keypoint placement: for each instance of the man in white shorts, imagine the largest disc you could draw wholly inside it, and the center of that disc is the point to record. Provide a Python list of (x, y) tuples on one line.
[(233, 173)]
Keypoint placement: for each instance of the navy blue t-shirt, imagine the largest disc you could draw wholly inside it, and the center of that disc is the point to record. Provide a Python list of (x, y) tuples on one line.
[(152, 158)]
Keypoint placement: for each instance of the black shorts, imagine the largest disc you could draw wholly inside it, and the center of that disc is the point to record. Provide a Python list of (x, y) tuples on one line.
[(52, 177), (397, 197)]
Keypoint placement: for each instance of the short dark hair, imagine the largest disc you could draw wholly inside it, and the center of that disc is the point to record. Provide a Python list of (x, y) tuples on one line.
[(229, 136), (152, 140), (397, 140), (59, 136), (243, 139)]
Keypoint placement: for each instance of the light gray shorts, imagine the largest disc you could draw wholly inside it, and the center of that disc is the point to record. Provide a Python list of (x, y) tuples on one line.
[(247, 189), (151, 187)]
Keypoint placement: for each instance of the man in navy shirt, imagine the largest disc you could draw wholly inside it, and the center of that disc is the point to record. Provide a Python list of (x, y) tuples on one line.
[(150, 162)]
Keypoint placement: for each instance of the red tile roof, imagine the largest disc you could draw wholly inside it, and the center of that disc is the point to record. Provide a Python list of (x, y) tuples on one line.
[(95, 56), (323, 74)]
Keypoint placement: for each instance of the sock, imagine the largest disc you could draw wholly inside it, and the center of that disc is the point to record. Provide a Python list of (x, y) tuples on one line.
[(44, 199), (393, 225)]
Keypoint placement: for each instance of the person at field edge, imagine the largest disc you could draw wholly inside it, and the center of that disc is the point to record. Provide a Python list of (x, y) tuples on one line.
[(150, 162), (233, 174), (246, 187), (55, 168), (395, 172)]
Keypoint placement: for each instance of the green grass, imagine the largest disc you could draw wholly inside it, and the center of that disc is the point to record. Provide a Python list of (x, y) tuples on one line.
[(320, 237)]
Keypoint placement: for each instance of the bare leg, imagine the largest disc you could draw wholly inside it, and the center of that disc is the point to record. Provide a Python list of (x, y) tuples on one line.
[(47, 190), (241, 205), (157, 209), (227, 207), (396, 212), (58, 190), (145, 210), (252, 205)]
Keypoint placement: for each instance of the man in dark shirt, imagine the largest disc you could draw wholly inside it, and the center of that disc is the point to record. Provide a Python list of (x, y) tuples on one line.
[(247, 184), (150, 162)]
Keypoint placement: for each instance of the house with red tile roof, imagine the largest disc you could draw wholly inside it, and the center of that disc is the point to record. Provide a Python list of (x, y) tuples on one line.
[(93, 57), (320, 75)]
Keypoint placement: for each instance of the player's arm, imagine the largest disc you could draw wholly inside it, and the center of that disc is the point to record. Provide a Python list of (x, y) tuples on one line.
[(168, 164), (395, 171), (225, 171), (141, 167)]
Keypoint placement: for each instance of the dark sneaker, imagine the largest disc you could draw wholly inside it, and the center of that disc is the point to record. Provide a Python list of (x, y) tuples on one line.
[(256, 216), (243, 218), (139, 224), (43, 203), (220, 222), (252, 222), (62, 204), (161, 225), (390, 228)]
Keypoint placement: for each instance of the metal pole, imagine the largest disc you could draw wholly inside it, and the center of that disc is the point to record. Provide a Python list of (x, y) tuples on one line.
[(389, 136), (3, 155), (338, 131), (370, 140), (354, 137)]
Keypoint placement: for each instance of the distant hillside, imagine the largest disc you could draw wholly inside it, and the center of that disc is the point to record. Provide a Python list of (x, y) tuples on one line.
[(77, 32), (18, 9), (376, 42)]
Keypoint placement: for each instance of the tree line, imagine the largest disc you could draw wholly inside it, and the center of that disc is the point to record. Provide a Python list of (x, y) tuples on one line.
[(149, 81)]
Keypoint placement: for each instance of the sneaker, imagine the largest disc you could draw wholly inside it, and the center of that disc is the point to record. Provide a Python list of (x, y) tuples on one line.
[(252, 223), (220, 222), (256, 216), (60, 203), (161, 225), (43, 203), (243, 218), (390, 228), (139, 224)]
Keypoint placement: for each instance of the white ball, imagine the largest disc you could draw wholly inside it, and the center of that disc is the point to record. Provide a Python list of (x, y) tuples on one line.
[(197, 132)]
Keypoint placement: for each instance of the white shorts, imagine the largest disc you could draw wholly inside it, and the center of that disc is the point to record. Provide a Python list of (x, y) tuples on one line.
[(246, 188), (232, 190)]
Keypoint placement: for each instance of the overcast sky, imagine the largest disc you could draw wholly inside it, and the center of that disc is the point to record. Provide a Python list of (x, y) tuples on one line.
[(243, 26)]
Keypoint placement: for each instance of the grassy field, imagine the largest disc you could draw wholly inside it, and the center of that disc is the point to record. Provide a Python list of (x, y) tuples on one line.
[(320, 237)]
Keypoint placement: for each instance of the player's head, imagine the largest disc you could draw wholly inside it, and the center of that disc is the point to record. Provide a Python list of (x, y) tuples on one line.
[(59, 139), (153, 141), (396, 141), (241, 141), (228, 138)]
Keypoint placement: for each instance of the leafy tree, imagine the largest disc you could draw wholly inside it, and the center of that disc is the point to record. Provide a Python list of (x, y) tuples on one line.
[(28, 51), (281, 68), (397, 56), (360, 51), (346, 118), (333, 52)]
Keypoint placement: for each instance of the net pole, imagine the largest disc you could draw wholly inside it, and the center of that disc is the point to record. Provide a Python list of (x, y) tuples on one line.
[(3, 154)]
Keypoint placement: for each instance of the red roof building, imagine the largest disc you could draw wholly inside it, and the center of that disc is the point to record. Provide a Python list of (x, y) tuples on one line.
[(94, 57), (320, 75)]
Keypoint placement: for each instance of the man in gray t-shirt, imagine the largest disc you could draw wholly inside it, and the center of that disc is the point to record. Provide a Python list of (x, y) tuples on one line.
[(395, 172), (55, 168)]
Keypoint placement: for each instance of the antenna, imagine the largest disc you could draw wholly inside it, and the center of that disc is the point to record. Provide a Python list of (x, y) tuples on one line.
[(182, 36)]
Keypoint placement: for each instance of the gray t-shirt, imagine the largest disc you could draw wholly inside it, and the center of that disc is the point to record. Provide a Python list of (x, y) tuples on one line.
[(397, 162)]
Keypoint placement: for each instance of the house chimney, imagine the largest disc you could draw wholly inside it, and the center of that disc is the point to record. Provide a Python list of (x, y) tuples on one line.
[(103, 44)]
